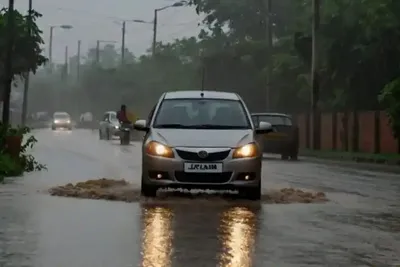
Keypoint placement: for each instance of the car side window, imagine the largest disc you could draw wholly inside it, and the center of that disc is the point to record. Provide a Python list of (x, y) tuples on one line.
[(105, 117)]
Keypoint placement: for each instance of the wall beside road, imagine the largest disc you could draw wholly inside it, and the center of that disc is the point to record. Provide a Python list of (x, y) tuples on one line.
[(364, 131)]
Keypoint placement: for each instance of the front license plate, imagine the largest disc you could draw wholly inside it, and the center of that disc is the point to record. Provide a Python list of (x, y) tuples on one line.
[(203, 167)]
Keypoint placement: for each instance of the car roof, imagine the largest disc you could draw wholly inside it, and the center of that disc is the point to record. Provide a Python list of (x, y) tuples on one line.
[(271, 114), (110, 112), (197, 94)]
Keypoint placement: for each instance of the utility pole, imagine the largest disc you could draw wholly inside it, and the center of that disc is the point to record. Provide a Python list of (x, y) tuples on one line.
[(98, 52), (155, 31), (51, 49), (26, 84), (78, 61), (123, 43), (66, 63), (8, 74), (316, 5), (269, 52)]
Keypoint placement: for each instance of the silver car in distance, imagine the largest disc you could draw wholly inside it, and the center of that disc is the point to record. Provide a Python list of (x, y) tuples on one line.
[(201, 140)]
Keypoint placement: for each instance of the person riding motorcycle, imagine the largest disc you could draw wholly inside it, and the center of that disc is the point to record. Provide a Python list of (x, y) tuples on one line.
[(122, 115)]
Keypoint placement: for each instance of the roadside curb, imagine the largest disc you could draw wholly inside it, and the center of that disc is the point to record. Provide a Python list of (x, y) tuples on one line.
[(353, 164), (349, 158)]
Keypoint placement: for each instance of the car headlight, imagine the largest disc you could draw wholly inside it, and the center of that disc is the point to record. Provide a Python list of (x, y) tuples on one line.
[(116, 127), (56, 121), (68, 121), (246, 151), (157, 149)]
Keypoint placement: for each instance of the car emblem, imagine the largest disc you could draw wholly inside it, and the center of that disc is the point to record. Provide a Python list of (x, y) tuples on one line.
[(202, 154)]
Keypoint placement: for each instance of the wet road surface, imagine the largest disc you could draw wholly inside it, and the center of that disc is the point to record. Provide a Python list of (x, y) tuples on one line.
[(359, 227)]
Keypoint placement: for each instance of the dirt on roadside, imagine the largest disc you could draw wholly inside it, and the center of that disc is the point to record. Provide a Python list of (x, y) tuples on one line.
[(121, 190)]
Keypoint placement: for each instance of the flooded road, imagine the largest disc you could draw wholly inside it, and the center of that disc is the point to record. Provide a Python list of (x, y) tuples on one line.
[(360, 226)]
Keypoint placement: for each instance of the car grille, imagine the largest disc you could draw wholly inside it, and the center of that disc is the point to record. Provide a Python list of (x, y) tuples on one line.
[(203, 178), (213, 156)]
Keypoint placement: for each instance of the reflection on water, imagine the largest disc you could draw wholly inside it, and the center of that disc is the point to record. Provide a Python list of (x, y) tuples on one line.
[(157, 237), (237, 232)]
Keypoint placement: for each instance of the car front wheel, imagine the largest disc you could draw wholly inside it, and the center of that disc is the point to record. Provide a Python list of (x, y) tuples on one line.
[(100, 135), (251, 193), (108, 136), (148, 190)]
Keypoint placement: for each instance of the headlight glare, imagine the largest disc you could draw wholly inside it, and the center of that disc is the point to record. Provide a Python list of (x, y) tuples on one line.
[(157, 149), (246, 151)]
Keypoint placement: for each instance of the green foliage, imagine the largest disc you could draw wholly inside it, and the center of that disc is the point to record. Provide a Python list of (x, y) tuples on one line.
[(25, 162), (390, 97), (27, 50), (9, 166)]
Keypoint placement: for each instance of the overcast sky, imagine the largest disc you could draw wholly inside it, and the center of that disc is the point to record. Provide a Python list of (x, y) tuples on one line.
[(98, 19)]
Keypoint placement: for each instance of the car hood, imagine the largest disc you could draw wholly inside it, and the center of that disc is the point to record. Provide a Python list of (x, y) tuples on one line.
[(203, 138)]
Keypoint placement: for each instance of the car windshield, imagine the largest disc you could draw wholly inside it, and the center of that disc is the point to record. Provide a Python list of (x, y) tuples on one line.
[(61, 116), (202, 114), (113, 117), (276, 120)]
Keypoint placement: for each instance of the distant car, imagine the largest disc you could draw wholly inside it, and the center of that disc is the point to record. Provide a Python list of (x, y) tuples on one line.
[(109, 126), (285, 138), (201, 140), (61, 120)]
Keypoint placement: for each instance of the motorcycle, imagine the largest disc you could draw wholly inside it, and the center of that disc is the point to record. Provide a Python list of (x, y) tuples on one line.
[(125, 134)]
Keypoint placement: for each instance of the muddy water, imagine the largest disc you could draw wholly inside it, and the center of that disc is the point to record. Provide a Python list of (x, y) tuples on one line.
[(121, 190), (358, 226)]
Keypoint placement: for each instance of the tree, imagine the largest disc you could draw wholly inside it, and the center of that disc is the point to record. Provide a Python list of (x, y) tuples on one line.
[(27, 51)]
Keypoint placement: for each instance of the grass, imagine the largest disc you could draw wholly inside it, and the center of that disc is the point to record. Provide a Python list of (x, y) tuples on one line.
[(392, 159)]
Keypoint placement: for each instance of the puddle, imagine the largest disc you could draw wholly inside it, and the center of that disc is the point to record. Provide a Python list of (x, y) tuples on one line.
[(121, 190)]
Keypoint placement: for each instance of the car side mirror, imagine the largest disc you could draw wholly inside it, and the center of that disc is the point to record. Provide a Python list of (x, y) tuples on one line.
[(264, 128), (141, 125)]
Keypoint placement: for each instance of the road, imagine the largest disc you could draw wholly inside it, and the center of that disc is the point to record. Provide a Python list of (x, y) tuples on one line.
[(360, 226)]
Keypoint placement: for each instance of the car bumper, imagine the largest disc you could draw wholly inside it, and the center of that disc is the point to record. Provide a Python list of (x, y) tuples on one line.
[(166, 172), (61, 125)]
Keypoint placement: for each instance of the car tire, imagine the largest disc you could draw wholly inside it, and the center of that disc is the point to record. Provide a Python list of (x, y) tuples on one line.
[(251, 193), (294, 157), (108, 137), (100, 135), (148, 190), (70, 128)]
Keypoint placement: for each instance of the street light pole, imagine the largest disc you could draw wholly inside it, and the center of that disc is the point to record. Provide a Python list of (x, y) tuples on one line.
[(26, 84), (123, 43), (316, 5), (269, 52), (154, 32), (51, 49), (98, 52), (78, 60), (65, 27), (177, 4)]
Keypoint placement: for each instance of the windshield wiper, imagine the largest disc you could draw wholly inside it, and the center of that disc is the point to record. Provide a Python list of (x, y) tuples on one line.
[(215, 126), (171, 126)]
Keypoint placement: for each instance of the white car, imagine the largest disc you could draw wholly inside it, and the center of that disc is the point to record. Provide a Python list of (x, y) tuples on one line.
[(109, 126), (61, 120), (202, 140)]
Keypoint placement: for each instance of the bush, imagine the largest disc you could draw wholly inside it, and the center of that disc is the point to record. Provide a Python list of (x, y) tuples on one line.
[(25, 162), (390, 97), (9, 167)]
